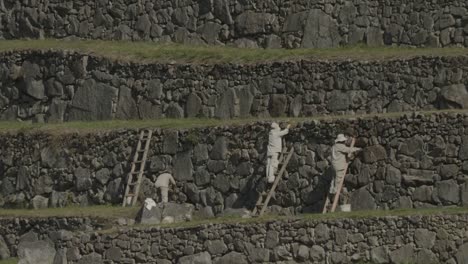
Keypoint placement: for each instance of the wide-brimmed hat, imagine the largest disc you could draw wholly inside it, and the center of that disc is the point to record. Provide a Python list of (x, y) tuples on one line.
[(340, 138), (274, 125)]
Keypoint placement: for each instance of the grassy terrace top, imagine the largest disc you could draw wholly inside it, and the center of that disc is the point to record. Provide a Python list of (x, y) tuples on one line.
[(111, 213), (174, 53), (103, 126)]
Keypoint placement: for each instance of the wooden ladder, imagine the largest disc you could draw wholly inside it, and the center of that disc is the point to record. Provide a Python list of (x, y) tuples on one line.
[(263, 204), (338, 192), (138, 168)]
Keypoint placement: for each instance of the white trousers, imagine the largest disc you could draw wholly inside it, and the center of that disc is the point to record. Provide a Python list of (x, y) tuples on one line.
[(272, 166), (164, 194)]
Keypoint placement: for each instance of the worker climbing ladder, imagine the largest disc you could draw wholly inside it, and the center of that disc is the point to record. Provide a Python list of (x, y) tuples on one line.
[(263, 203), (138, 168), (338, 192)]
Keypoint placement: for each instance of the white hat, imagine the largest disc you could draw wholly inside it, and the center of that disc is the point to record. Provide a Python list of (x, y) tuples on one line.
[(340, 138), (274, 125)]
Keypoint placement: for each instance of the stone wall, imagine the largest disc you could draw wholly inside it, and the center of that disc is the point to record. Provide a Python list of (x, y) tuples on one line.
[(407, 162), (56, 86), (412, 239), (243, 23), (16, 230)]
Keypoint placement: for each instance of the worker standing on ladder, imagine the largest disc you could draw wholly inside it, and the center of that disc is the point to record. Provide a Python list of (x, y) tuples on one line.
[(274, 148), (340, 156), (162, 183)]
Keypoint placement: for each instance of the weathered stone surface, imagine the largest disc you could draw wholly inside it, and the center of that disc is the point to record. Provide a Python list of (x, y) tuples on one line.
[(374, 153), (183, 167), (92, 101), (321, 31), (424, 238), (113, 253), (362, 200), (200, 258), (227, 105), (126, 107), (379, 255), (317, 253), (403, 255), (220, 149), (39, 202), (216, 247), (4, 250), (462, 253), (448, 191), (36, 252), (232, 258)]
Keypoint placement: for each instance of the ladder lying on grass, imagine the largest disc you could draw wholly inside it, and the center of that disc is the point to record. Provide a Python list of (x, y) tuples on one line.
[(338, 192), (138, 167), (264, 203)]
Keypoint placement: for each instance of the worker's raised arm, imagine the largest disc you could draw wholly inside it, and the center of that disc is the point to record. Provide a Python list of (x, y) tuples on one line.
[(348, 150), (284, 131), (172, 180)]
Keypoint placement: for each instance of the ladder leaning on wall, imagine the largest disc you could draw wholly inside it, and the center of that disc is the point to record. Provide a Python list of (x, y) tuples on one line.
[(263, 201), (135, 176)]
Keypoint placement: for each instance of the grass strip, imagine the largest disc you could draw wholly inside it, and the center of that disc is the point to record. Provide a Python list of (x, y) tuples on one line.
[(148, 52)]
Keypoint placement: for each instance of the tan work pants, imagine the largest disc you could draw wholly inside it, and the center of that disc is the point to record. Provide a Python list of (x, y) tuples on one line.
[(164, 194)]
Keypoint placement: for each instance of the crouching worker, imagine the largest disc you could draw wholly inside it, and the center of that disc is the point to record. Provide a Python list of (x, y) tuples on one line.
[(162, 183), (274, 148), (341, 156)]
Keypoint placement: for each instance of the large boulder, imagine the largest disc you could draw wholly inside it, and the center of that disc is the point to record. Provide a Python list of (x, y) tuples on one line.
[(249, 23), (227, 105), (183, 167), (462, 254), (374, 153), (92, 101), (126, 107), (362, 200), (38, 252), (321, 31), (404, 254), (232, 258), (4, 250), (454, 96), (200, 258)]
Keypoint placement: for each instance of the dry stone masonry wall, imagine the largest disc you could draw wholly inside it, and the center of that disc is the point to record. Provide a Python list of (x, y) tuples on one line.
[(398, 240), (243, 23), (56, 86), (408, 162)]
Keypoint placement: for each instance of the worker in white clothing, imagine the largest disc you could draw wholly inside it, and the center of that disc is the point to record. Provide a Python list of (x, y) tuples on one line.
[(340, 156), (162, 183), (274, 148)]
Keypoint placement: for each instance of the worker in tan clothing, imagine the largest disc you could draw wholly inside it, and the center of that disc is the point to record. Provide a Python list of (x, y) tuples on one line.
[(162, 183), (340, 156)]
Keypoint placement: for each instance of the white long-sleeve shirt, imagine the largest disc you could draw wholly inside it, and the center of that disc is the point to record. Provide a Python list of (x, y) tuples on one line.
[(274, 140)]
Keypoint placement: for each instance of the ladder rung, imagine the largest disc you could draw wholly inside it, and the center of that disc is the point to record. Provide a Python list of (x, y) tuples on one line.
[(130, 195), (138, 161), (133, 184), (135, 173), (141, 150)]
